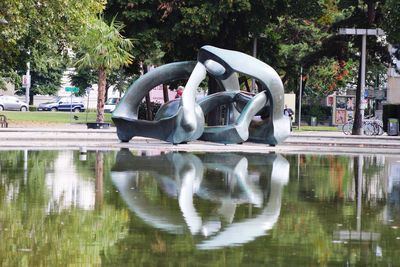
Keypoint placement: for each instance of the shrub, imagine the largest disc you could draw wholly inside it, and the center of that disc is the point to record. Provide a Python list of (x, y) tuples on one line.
[(143, 109)]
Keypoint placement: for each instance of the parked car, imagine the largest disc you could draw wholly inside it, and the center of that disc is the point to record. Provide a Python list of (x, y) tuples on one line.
[(12, 103), (111, 104), (63, 104)]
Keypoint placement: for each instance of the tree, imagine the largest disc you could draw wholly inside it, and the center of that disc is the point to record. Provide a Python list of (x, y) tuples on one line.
[(83, 78), (391, 23), (142, 20), (364, 14), (345, 49), (103, 48), (188, 25), (40, 32)]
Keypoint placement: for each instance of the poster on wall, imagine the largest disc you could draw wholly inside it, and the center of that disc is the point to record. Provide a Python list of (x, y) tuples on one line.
[(340, 116), (350, 103), (344, 108), (345, 102), (341, 102)]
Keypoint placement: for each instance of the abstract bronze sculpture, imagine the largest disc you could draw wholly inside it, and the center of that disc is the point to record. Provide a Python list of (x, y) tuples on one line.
[(182, 120)]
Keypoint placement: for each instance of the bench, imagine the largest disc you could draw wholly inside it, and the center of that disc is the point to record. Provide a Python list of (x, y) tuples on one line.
[(3, 121)]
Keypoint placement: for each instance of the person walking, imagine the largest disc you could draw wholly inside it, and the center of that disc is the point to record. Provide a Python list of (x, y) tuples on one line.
[(288, 112)]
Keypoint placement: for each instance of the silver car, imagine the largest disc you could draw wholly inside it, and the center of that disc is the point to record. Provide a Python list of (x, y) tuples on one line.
[(12, 103)]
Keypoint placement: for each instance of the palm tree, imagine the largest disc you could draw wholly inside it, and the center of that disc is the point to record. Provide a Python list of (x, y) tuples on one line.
[(103, 48)]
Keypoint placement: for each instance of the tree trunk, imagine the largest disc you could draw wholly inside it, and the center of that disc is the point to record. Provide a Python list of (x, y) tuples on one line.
[(99, 185), (372, 4), (30, 99), (100, 95), (357, 125), (149, 114), (214, 116), (106, 91), (165, 93)]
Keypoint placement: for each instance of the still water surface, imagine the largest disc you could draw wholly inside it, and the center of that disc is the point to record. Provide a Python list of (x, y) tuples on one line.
[(129, 208)]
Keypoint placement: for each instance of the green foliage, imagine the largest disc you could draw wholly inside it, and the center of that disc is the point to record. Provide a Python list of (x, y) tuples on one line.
[(316, 110), (228, 24), (9, 77), (40, 33), (121, 80), (48, 232), (142, 20), (83, 78), (143, 109), (293, 38), (329, 76), (391, 22), (47, 70), (102, 46)]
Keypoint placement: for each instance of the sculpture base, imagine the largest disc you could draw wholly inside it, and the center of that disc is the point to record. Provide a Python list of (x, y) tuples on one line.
[(98, 125)]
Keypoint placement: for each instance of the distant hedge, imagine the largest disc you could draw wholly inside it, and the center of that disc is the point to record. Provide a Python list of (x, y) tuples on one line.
[(316, 111)]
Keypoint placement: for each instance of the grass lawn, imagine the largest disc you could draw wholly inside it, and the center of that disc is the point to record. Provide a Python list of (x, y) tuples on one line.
[(317, 128), (83, 117), (52, 117)]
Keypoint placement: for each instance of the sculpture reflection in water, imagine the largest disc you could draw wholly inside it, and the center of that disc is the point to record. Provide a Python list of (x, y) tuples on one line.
[(185, 181)]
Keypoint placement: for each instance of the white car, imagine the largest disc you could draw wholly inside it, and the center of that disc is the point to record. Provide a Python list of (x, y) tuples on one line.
[(111, 104), (12, 103)]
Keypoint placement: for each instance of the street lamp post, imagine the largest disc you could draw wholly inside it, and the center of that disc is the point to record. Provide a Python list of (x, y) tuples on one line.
[(300, 94), (256, 37), (253, 81), (363, 33), (28, 77)]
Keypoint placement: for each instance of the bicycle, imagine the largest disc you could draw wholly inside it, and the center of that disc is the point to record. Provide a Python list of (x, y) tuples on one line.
[(370, 126)]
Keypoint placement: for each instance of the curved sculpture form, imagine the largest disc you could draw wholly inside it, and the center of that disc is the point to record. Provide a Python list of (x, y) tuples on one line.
[(185, 124), (181, 178), (183, 120), (223, 64)]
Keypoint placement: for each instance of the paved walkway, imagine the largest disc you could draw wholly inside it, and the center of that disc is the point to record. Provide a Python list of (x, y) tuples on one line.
[(79, 137)]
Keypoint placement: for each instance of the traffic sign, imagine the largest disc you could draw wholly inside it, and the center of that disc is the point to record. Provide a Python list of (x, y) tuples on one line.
[(26, 80), (72, 89)]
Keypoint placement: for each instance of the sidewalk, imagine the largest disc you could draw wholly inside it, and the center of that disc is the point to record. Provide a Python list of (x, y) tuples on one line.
[(78, 136)]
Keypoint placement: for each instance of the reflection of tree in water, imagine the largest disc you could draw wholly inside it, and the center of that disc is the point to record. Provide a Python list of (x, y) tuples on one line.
[(325, 198), (339, 174), (210, 189), (32, 235)]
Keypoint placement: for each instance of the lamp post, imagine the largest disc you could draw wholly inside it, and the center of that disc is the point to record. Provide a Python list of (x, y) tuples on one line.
[(300, 94), (363, 33), (253, 82), (28, 79), (261, 35)]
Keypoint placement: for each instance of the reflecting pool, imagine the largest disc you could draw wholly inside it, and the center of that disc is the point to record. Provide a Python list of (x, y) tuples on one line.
[(138, 208)]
